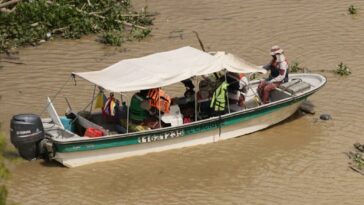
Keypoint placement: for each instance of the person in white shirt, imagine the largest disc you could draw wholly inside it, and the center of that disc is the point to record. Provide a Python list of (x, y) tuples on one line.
[(278, 68)]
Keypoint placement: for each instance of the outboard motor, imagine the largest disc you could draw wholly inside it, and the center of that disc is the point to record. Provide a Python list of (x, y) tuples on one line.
[(26, 132)]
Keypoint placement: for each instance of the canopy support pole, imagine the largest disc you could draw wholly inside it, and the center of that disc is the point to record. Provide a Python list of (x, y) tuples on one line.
[(196, 113), (159, 110), (55, 96), (127, 111), (227, 94), (93, 97)]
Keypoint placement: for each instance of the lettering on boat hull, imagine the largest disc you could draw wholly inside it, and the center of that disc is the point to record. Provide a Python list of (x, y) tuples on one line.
[(161, 136)]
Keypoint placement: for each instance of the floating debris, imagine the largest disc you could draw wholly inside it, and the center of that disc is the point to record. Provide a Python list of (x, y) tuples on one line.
[(352, 10), (357, 163), (296, 68), (342, 69), (359, 147), (325, 117)]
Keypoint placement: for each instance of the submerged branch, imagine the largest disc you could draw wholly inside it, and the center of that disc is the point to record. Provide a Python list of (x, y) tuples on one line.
[(138, 15), (131, 25)]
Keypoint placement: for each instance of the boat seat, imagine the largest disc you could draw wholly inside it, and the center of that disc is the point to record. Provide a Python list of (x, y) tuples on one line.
[(88, 124), (294, 86), (288, 89)]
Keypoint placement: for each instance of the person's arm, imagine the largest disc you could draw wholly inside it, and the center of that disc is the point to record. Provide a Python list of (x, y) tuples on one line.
[(283, 67), (267, 66)]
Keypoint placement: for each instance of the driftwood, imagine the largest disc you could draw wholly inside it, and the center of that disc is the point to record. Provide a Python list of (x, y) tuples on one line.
[(59, 29), (356, 169), (137, 15), (100, 12), (8, 3)]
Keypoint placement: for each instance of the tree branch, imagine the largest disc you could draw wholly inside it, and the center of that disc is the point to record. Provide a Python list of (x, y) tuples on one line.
[(9, 3)]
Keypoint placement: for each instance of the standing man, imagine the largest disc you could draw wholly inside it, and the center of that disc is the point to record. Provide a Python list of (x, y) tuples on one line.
[(278, 68)]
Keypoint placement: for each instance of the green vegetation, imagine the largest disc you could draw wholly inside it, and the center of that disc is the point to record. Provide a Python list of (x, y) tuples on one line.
[(352, 10), (296, 68), (358, 160), (3, 195), (342, 69), (4, 173), (30, 22)]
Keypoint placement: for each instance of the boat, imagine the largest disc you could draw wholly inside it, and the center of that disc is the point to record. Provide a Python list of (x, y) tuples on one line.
[(48, 138)]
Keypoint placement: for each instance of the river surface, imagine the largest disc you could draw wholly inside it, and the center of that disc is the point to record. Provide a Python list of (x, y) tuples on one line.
[(299, 161)]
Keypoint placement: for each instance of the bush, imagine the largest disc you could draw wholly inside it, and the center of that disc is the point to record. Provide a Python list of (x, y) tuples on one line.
[(33, 21), (3, 195), (342, 69), (115, 38), (296, 68), (352, 10)]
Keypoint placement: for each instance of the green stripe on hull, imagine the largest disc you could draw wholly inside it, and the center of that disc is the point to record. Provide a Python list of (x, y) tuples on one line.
[(169, 134), (256, 114)]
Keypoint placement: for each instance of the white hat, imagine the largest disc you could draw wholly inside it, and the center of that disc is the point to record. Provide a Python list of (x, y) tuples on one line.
[(275, 50)]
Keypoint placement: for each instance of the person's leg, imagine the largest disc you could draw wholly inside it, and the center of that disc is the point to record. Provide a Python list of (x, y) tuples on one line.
[(267, 89), (260, 89)]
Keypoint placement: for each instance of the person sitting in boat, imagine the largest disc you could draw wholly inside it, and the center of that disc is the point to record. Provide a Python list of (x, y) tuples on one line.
[(139, 107), (278, 68), (236, 90), (204, 96), (219, 99), (215, 79), (158, 99), (189, 88), (110, 108), (112, 112)]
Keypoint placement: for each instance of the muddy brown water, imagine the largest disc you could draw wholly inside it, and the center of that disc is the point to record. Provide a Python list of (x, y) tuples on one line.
[(299, 161)]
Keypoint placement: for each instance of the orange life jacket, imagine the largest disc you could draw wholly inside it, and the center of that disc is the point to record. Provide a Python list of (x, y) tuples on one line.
[(159, 99), (236, 76)]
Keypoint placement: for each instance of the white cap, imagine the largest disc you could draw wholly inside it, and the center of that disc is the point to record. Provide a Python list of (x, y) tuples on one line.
[(275, 50)]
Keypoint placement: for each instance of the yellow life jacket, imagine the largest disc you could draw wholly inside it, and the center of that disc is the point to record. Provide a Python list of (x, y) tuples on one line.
[(219, 98)]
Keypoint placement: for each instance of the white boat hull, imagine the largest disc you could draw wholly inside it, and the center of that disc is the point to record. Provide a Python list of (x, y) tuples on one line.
[(74, 159)]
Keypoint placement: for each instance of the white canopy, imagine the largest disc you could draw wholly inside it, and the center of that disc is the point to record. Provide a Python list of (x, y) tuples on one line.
[(165, 68)]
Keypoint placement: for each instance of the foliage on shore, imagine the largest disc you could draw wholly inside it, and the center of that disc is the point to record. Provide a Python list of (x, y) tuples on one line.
[(30, 22), (3, 171)]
